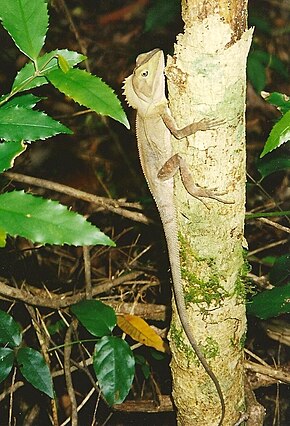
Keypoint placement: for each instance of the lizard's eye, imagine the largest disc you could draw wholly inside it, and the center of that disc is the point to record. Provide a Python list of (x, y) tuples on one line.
[(145, 73)]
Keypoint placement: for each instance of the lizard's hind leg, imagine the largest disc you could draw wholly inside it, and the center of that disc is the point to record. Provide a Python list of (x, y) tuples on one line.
[(170, 168)]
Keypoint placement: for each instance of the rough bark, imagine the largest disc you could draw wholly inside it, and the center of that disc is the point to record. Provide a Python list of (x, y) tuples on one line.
[(207, 78)]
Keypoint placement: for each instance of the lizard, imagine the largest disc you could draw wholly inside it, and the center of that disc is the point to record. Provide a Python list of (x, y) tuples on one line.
[(144, 90)]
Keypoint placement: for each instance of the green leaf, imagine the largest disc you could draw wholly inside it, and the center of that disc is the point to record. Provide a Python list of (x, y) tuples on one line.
[(6, 362), (270, 61), (56, 327), (279, 134), (98, 318), (162, 13), (114, 365), (8, 152), (26, 21), (280, 270), (261, 22), (9, 330), (25, 101), (273, 163), (140, 360), (281, 101), (26, 78), (18, 123), (35, 370), (90, 91), (46, 221), (256, 73), (270, 303)]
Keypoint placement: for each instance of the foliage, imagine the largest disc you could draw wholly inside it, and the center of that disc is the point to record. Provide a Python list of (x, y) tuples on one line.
[(274, 302), (114, 362), (29, 361), (113, 359), (280, 132), (162, 13), (270, 303), (258, 63), (22, 214), (46, 221), (140, 331)]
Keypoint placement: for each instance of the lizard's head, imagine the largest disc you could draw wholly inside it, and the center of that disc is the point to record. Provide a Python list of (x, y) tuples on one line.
[(147, 83)]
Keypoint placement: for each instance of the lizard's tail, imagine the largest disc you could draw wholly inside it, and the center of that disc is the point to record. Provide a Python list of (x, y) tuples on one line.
[(174, 259)]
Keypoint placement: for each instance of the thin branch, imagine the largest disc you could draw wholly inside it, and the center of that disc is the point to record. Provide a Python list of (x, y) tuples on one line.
[(105, 203), (79, 407), (275, 225), (87, 268), (58, 301), (277, 374), (75, 31), (67, 371)]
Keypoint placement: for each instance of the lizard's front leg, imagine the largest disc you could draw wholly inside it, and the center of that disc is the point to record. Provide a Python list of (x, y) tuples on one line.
[(176, 162), (204, 124)]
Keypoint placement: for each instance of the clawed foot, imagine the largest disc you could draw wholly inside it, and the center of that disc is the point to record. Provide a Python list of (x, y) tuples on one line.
[(208, 124), (201, 193)]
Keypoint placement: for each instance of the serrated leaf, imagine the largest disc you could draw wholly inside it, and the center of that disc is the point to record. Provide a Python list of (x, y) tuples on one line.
[(35, 370), (280, 100), (270, 303), (279, 134), (10, 334), (90, 91), (26, 78), (26, 21), (8, 152), (6, 362), (140, 331), (98, 318), (25, 101), (114, 365), (18, 124), (46, 221)]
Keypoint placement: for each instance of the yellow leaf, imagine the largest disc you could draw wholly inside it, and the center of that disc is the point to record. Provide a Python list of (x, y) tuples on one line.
[(3, 236), (140, 331), (63, 64)]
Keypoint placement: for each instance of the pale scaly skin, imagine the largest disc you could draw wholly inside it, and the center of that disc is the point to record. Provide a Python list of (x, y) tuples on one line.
[(145, 91)]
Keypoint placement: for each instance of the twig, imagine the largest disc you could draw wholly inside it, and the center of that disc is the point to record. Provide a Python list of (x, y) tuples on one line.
[(105, 203), (75, 31), (268, 371), (79, 407), (268, 246), (67, 371), (58, 301), (274, 225), (13, 388), (11, 397), (87, 268), (44, 351)]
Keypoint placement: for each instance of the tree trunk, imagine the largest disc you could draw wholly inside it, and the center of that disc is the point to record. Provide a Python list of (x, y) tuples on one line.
[(207, 79)]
